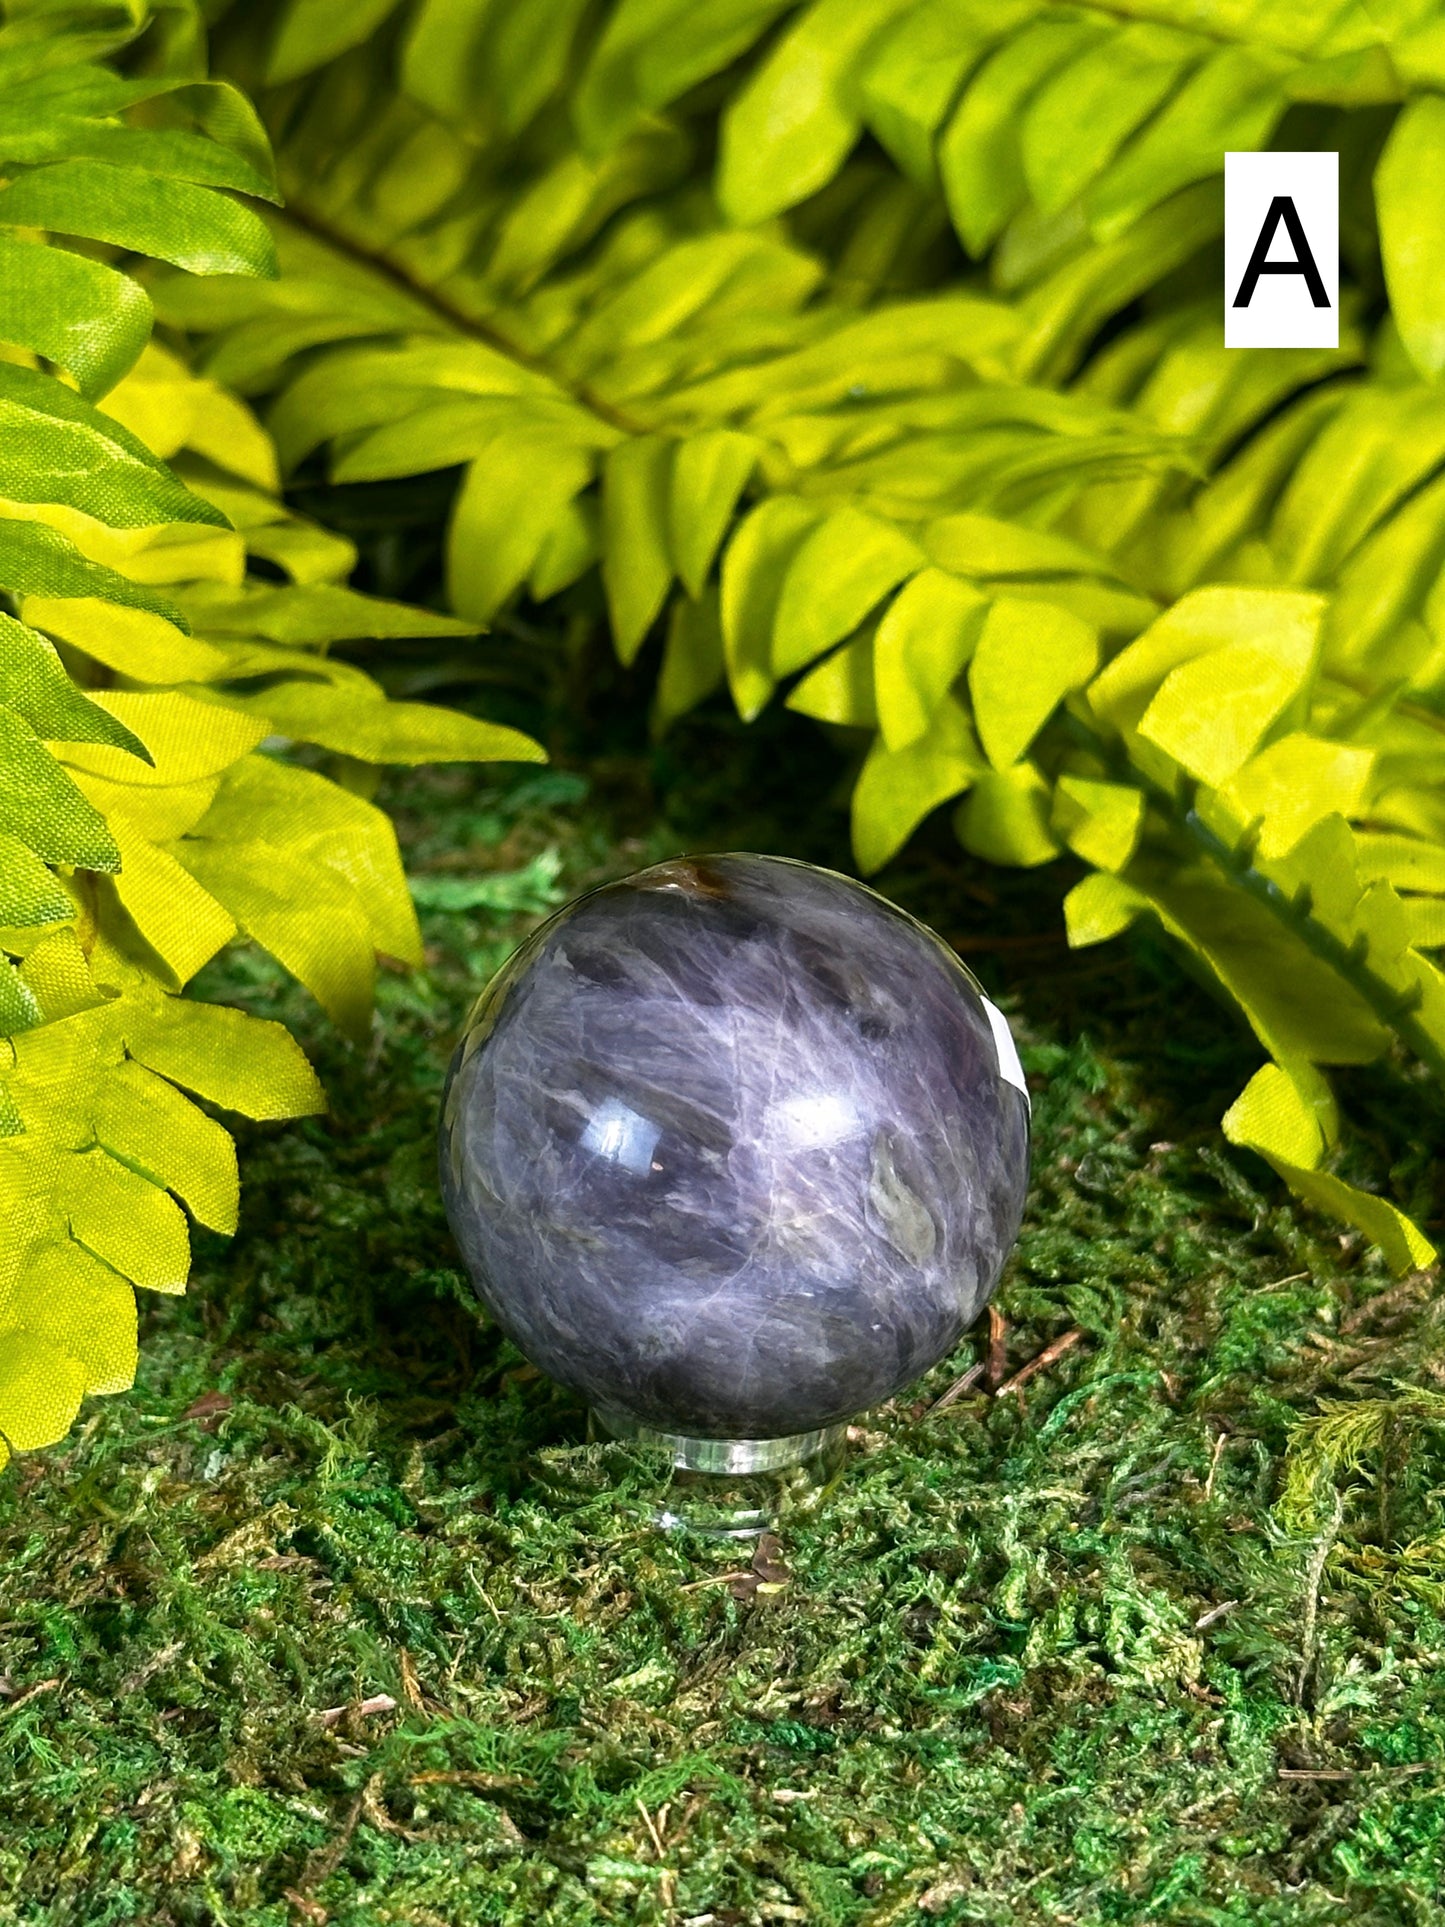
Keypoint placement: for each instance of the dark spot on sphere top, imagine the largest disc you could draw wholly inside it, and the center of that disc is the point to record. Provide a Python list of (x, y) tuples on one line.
[(734, 1147)]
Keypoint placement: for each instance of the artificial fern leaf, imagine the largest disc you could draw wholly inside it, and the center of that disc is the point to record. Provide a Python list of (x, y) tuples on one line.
[(38, 560), (1099, 821), (709, 473), (651, 51), (147, 1124), (1412, 236), (57, 973), (183, 924), (126, 1221), (1080, 117), (1406, 861), (79, 1307), (636, 561), (790, 126), (332, 704), (754, 569), (1295, 783), (1005, 817), (29, 892), (898, 788), (515, 494), (1286, 1113), (55, 447), (312, 32), (80, 314), (930, 630), (979, 157), (692, 660), (841, 570), (144, 1122), (1371, 456), (911, 76), (41, 1387), (300, 811), (18, 1006), (241, 1063), (1404, 1245), (1295, 1002), (42, 806), (170, 409), (1231, 100), (1101, 907), (310, 616), (1281, 627), (305, 913), (840, 689), (187, 740), (1028, 657), (141, 645), (1210, 713), (154, 777), (192, 226), (34, 684)]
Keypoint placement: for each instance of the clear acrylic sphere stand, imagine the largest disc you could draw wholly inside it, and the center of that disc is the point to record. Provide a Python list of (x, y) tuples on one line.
[(733, 1488)]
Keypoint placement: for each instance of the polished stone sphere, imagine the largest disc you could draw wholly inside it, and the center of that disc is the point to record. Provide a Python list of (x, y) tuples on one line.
[(734, 1148)]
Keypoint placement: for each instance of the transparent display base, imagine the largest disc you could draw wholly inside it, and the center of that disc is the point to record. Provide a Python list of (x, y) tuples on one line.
[(735, 1488)]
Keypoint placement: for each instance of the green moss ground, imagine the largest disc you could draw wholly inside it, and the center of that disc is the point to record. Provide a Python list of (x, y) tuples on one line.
[(1061, 1656)]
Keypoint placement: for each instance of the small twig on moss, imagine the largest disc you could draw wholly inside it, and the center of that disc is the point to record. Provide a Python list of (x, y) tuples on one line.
[(1396, 1297), (648, 1822), (30, 1693), (1048, 1356), (378, 1703), (964, 1383), (1214, 1613), (376, 1813), (1352, 1772), (321, 1865), (410, 1685), (997, 1348), (483, 1782), (1220, 1440)]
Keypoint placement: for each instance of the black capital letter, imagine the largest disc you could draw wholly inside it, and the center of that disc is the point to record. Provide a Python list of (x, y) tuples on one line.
[(1282, 208)]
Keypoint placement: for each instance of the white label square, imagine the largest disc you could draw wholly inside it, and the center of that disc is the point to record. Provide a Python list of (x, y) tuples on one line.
[(1281, 250)]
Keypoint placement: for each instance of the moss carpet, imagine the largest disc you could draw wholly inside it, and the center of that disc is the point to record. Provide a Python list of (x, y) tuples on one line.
[(337, 1618)]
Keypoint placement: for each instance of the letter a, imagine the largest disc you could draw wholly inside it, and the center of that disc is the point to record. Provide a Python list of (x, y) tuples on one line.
[(1282, 208)]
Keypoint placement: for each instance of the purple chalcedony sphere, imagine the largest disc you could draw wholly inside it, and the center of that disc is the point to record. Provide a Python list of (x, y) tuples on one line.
[(734, 1148)]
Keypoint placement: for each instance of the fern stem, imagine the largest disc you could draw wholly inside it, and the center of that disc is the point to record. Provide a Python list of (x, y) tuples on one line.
[(1415, 712), (457, 317), (1394, 1008)]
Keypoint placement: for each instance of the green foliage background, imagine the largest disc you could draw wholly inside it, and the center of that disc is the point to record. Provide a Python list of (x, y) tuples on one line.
[(870, 350), (874, 350)]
